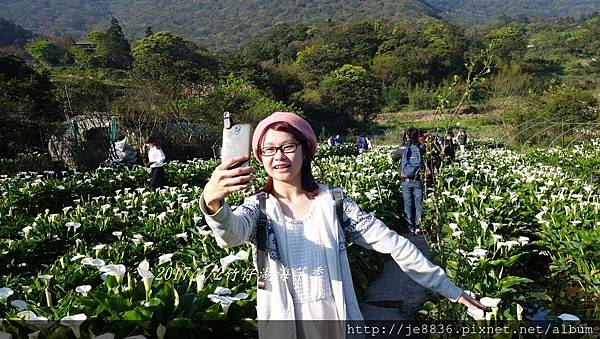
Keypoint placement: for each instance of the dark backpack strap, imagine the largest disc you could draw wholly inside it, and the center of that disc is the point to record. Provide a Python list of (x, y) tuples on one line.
[(339, 208), (261, 240)]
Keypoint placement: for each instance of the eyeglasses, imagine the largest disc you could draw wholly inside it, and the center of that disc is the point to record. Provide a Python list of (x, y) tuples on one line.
[(285, 148)]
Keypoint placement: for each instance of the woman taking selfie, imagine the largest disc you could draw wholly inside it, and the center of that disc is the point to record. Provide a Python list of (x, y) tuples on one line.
[(306, 275)]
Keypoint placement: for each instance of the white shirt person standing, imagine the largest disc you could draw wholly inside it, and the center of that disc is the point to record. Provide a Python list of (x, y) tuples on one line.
[(156, 160)]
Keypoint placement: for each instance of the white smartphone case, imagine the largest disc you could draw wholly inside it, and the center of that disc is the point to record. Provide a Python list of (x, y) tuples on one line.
[(236, 142)]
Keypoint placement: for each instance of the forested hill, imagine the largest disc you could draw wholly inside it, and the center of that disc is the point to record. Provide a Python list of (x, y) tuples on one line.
[(213, 23), (222, 23), (483, 11)]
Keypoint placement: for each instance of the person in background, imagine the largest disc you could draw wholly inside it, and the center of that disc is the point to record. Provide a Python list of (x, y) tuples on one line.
[(363, 143), (156, 160), (449, 148), (421, 137), (331, 141), (411, 155), (337, 141), (462, 139), (305, 235)]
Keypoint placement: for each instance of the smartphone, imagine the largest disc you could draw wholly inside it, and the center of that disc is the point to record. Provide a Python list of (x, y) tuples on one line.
[(237, 140)]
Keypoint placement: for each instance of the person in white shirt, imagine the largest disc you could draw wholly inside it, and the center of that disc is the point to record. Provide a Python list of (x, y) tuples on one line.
[(304, 236), (156, 160)]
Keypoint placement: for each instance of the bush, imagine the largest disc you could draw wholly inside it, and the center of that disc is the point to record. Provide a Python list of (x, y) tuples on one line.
[(572, 105), (395, 96), (422, 96)]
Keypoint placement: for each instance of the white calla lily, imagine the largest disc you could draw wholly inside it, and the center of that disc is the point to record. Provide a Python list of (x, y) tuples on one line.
[(241, 255), (221, 296), (5, 292), (568, 317), (20, 304), (74, 322), (165, 258), (147, 276), (83, 289)]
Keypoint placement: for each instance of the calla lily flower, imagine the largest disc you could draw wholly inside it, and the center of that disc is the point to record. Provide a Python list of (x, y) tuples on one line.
[(5, 292), (147, 276), (490, 302), (92, 262), (72, 224), (77, 257), (203, 231), (74, 321), (221, 295), (20, 304), (104, 336), (200, 279), (118, 271), (26, 315), (83, 289), (46, 278), (241, 255), (165, 258), (568, 317)]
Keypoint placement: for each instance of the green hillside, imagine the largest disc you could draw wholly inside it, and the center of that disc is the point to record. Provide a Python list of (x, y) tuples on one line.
[(212, 23), (483, 11)]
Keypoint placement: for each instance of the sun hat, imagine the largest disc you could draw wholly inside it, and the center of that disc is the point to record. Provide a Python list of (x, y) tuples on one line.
[(291, 118)]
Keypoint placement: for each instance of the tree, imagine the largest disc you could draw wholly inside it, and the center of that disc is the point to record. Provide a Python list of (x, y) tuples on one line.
[(164, 55), (113, 45), (507, 43), (572, 105), (45, 53), (26, 104), (320, 59), (351, 90)]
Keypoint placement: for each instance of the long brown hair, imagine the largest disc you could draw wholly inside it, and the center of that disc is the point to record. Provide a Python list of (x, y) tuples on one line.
[(309, 184)]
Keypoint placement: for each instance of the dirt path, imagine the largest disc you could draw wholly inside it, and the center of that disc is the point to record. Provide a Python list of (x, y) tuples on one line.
[(393, 295)]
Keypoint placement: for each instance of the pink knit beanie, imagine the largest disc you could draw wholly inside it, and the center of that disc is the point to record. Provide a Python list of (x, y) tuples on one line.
[(291, 118)]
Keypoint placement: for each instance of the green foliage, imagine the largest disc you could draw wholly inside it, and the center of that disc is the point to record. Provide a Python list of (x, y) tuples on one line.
[(234, 95), (422, 96), (24, 93), (510, 81), (44, 52), (26, 104), (112, 46), (572, 105), (84, 95), (165, 55), (319, 60), (395, 95), (351, 91), (507, 43)]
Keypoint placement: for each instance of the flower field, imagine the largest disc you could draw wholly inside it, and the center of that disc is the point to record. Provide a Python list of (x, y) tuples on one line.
[(511, 227), (102, 247)]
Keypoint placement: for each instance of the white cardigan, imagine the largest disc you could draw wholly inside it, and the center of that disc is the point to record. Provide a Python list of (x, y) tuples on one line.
[(233, 228)]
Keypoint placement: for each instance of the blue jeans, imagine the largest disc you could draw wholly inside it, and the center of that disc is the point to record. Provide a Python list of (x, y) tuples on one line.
[(412, 194)]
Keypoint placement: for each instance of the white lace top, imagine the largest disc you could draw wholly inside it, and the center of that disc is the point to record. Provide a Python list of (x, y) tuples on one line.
[(305, 255)]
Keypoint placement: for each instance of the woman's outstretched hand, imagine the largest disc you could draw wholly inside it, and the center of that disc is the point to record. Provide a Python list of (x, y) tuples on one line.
[(225, 181), (473, 303)]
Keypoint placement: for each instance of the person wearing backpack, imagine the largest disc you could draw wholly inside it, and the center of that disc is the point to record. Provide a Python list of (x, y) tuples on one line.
[(411, 156), (298, 231)]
